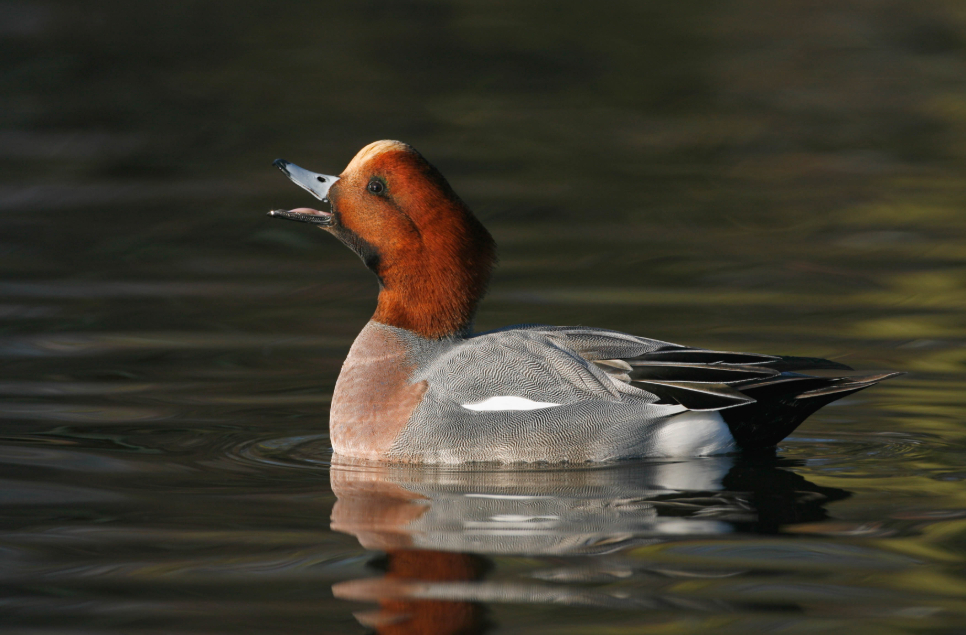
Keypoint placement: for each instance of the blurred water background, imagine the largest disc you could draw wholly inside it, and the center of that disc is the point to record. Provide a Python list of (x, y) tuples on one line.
[(770, 177)]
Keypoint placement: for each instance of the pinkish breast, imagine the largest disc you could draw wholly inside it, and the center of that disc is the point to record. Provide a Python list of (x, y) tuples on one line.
[(373, 399)]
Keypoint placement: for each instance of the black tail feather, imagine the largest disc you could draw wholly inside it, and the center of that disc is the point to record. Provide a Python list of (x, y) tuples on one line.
[(762, 398)]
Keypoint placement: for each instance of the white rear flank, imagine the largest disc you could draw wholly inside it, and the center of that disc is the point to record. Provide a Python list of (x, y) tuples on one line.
[(693, 434)]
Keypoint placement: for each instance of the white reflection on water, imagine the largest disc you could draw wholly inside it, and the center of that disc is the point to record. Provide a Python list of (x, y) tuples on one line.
[(544, 511), (440, 527), (527, 511)]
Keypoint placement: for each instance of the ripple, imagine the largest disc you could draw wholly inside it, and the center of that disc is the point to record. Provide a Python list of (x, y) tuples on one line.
[(314, 451), (91, 344), (845, 447), (802, 555), (18, 492), (77, 413), (307, 451)]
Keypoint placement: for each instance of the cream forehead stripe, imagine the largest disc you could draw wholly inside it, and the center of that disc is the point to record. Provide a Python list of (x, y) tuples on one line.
[(508, 403), (372, 150)]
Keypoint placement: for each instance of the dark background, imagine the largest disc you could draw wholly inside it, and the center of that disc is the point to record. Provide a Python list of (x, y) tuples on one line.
[(690, 148)]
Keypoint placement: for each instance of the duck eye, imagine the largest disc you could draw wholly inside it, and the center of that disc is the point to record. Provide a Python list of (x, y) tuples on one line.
[(376, 186)]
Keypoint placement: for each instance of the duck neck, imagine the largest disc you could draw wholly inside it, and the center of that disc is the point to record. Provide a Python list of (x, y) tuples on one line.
[(436, 293)]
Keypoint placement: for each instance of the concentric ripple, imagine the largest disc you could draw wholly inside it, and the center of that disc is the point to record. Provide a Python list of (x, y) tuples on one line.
[(873, 447), (311, 452)]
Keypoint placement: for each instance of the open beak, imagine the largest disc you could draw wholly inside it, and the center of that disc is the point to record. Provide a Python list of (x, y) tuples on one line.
[(315, 184)]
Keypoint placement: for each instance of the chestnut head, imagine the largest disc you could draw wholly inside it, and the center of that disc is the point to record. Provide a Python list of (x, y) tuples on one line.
[(400, 215)]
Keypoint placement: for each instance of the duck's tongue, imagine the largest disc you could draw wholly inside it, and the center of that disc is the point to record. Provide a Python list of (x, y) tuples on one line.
[(304, 215)]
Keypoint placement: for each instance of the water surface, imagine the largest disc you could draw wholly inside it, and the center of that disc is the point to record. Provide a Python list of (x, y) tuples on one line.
[(771, 179)]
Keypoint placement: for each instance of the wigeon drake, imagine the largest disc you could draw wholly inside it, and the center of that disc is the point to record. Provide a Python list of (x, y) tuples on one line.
[(419, 386)]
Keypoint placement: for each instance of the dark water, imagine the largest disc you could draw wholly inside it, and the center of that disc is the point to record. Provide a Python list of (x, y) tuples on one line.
[(771, 177)]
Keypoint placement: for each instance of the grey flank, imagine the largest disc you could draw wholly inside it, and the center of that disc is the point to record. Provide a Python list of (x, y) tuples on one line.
[(600, 418)]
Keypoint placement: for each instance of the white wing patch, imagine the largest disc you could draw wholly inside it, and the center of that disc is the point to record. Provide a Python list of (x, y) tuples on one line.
[(509, 403)]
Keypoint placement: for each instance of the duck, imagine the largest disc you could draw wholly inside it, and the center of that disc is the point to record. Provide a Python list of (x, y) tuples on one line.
[(419, 386)]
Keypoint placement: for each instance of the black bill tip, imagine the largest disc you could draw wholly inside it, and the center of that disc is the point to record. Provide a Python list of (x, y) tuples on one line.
[(282, 165)]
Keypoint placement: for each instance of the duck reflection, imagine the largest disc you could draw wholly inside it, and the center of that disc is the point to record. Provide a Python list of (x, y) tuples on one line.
[(438, 525)]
